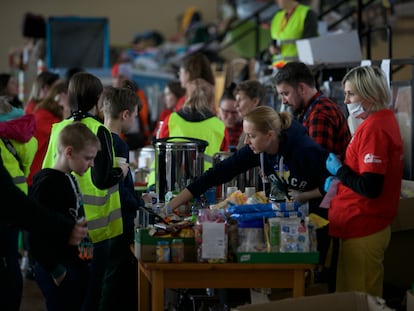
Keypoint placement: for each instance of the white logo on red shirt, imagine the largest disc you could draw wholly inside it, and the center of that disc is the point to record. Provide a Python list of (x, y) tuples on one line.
[(371, 158)]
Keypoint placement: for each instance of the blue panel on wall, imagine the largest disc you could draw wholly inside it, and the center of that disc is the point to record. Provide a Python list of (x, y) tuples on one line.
[(77, 42)]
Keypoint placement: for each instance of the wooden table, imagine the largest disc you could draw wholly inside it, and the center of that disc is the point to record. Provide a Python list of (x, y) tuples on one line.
[(153, 278)]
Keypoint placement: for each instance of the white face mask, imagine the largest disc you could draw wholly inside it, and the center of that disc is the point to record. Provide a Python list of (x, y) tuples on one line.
[(356, 109)]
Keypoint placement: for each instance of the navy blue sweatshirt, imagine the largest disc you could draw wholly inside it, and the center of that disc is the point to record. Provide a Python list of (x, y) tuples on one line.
[(304, 158)]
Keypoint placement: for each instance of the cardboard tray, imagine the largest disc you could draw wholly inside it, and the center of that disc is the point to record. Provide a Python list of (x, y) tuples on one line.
[(265, 257), (356, 301), (145, 246), (142, 236)]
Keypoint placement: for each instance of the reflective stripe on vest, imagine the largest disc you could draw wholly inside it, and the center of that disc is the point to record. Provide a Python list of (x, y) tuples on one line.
[(94, 200), (19, 180), (25, 152), (208, 159), (292, 31), (102, 207)]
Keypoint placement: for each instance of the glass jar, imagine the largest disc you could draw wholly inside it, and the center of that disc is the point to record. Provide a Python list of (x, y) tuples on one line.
[(177, 250), (163, 252)]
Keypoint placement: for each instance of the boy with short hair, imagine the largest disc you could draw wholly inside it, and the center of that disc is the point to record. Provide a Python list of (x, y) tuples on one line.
[(120, 108), (61, 270)]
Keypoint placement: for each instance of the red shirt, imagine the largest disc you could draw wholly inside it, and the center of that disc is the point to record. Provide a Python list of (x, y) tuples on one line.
[(375, 148), (143, 115), (44, 121), (31, 105), (233, 134), (163, 115)]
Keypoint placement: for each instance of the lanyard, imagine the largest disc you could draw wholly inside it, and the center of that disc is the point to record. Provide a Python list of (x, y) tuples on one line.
[(286, 19), (282, 175), (282, 171), (306, 115), (75, 212)]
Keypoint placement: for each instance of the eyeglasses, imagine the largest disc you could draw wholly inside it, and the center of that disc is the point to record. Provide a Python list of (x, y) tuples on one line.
[(229, 111)]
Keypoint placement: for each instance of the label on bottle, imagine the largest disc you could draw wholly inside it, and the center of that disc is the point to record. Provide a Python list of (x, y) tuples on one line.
[(177, 250)]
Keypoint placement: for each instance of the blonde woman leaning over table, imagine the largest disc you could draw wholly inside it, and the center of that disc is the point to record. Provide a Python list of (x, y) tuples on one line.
[(270, 138)]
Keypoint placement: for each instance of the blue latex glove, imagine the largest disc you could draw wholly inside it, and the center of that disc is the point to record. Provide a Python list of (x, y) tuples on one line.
[(328, 182), (333, 164)]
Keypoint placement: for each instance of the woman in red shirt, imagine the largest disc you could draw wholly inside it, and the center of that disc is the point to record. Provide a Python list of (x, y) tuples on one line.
[(52, 109), (43, 82), (172, 92), (368, 191)]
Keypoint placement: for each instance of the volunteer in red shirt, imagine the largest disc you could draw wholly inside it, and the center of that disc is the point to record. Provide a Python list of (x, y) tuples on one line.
[(369, 184)]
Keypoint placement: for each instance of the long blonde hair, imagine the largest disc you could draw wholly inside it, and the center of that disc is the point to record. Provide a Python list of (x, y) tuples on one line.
[(200, 98)]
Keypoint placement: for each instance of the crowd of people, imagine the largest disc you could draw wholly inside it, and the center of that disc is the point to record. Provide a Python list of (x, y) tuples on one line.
[(65, 175), (311, 138)]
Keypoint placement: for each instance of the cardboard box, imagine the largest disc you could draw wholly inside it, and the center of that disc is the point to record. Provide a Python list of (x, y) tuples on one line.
[(265, 257), (398, 260), (145, 246), (405, 217), (330, 48), (410, 300), (339, 302)]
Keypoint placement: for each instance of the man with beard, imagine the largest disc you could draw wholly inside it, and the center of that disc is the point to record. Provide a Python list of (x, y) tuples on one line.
[(327, 125), (322, 117)]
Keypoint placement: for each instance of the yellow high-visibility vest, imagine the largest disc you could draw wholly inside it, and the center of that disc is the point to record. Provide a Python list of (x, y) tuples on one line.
[(102, 207)]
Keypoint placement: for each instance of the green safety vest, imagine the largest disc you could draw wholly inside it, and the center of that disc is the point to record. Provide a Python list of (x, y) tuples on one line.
[(211, 130), (292, 31), (19, 169), (102, 207)]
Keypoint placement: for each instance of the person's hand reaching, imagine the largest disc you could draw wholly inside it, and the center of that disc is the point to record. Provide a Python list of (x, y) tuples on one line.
[(79, 232), (328, 182), (125, 169), (333, 164)]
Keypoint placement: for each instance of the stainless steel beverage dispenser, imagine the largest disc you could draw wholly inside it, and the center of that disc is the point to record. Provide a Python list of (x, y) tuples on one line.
[(221, 190), (249, 178), (178, 162)]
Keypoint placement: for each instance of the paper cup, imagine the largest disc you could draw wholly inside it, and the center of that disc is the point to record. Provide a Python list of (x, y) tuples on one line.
[(230, 190), (250, 191), (120, 160)]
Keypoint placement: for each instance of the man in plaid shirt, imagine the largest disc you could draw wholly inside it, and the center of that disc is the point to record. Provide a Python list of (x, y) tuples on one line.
[(327, 125), (324, 119)]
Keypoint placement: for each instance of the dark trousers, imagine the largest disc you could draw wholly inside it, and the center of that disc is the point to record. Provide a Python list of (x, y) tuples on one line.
[(113, 283), (96, 274), (120, 283), (11, 281), (328, 258), (70, 294)]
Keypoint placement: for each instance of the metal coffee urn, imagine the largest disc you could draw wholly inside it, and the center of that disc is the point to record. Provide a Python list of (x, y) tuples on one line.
[(178, 162)]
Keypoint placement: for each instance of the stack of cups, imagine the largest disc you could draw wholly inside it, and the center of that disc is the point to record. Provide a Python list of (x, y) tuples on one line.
[(250, 191), (230, 190)]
